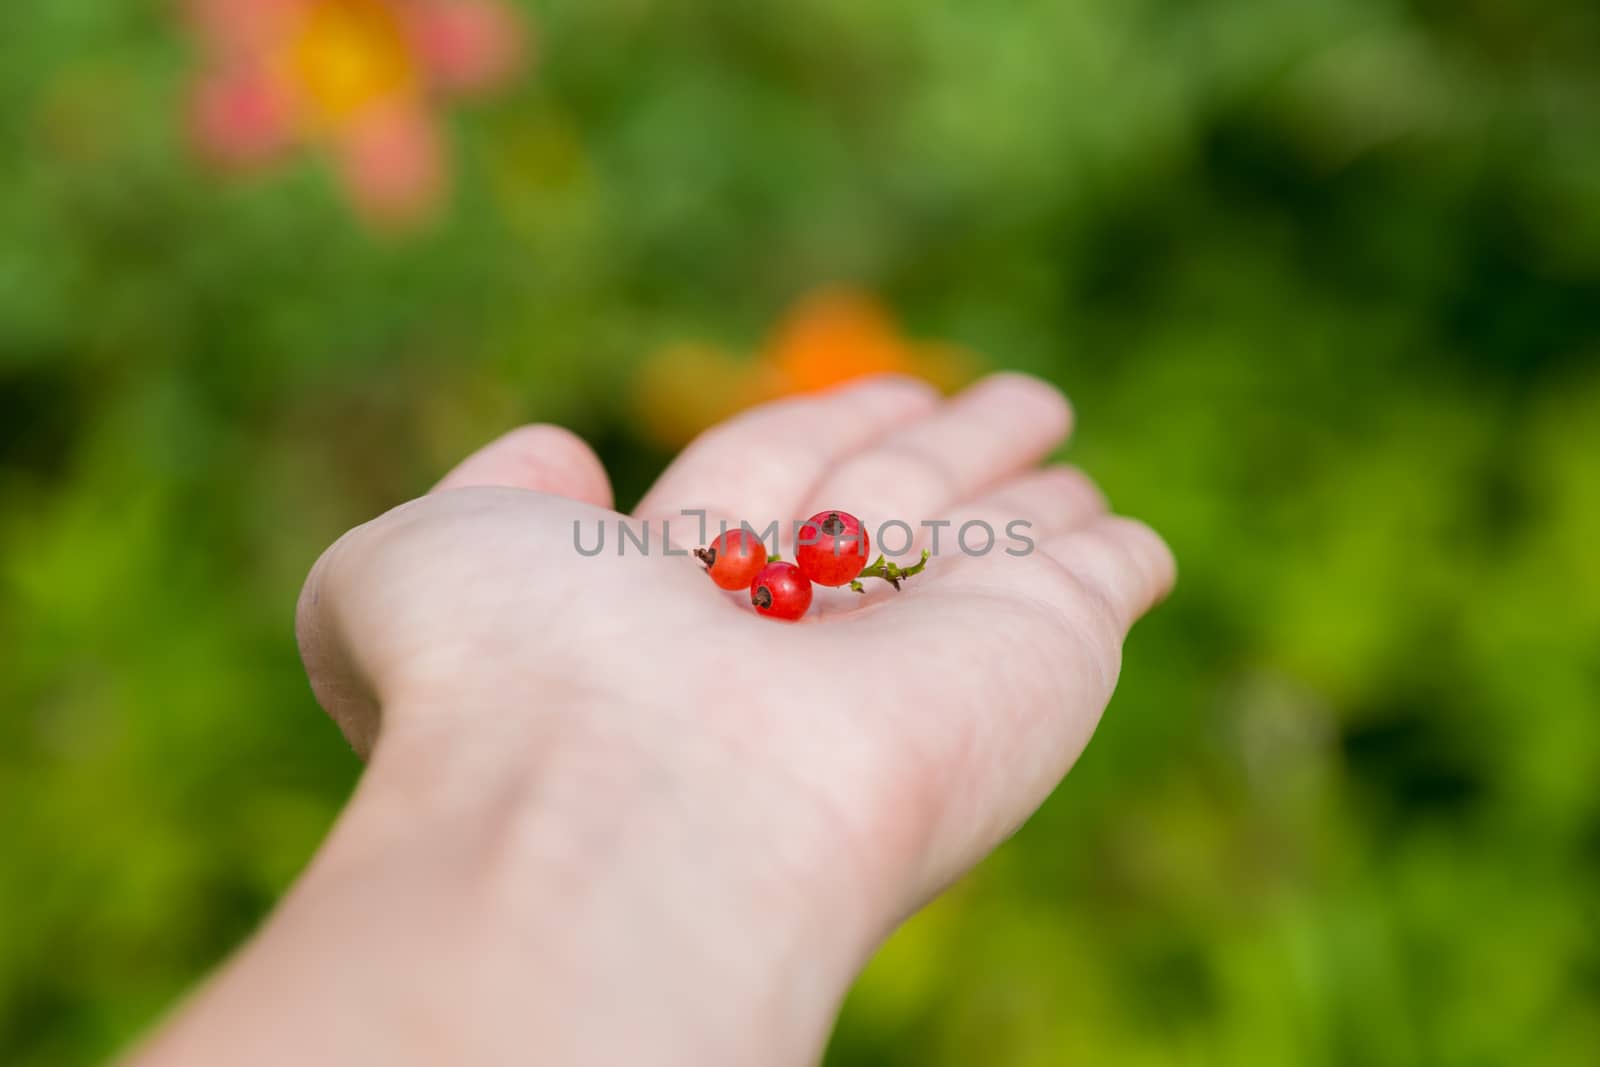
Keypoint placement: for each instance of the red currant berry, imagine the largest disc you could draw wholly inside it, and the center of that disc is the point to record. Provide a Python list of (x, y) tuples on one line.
[(780, 591), (734, 558), (832, 547)]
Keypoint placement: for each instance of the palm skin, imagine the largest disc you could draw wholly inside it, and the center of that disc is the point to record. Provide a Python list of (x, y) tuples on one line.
[(888, 740)]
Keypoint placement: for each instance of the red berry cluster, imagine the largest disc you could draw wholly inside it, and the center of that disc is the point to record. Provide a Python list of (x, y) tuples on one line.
[(832, 550)]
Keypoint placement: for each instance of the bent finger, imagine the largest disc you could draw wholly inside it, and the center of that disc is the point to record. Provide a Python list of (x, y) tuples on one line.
[(760, 465), (1004, 424), (540, 457)]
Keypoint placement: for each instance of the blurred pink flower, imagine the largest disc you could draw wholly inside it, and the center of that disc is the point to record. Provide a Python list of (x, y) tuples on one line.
[(467, 47), (363, 78), (392, 164), (241, 118)]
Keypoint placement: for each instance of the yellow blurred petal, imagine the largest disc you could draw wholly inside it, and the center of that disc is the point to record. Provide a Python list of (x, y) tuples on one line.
[(684, 388), (948, 366), (347, 56)]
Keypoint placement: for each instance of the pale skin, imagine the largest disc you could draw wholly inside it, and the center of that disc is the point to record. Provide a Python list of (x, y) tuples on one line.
[(610, 815)]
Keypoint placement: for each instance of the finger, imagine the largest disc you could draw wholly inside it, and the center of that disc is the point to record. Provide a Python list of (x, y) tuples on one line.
[(759, 466), (1121, 561), (1029, 506), (1015, 660), (1103, 574), (544, 458), (1004, 424)]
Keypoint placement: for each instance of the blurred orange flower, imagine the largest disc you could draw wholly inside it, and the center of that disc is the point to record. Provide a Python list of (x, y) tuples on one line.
[(827, 337), (361, 77)]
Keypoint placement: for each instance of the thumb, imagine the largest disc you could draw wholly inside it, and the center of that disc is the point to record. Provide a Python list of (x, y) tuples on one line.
[(545, 458)]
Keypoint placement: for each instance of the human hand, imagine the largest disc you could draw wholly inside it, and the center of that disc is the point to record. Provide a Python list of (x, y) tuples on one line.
[(914, 728), (735, 810)]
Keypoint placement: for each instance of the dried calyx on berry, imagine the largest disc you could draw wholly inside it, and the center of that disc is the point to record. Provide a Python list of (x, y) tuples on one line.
[(831, 547), (733, 559), (780, 591)]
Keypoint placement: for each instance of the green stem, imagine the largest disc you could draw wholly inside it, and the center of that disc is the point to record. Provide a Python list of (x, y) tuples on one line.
[(890, 572)]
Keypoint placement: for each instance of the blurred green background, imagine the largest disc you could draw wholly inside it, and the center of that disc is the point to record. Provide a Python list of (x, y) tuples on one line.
[(1323, 279)]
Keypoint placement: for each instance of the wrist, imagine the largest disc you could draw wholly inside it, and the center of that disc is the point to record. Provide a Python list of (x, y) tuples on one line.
[(634, 873)]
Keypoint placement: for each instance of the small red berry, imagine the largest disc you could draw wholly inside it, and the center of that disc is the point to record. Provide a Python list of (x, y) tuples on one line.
[(832, 547), (734, 558), (780, 591)]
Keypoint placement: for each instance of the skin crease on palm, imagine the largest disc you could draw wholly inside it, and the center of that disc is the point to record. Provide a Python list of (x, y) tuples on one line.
[(646, 825)]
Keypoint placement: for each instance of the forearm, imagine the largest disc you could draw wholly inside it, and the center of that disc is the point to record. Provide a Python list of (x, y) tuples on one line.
[(529, 899)]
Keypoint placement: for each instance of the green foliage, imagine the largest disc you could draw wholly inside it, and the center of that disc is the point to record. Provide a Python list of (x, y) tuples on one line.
[(1323, 279)]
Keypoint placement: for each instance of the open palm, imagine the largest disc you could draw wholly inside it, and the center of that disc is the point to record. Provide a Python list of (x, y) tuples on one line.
[(898, 736)]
